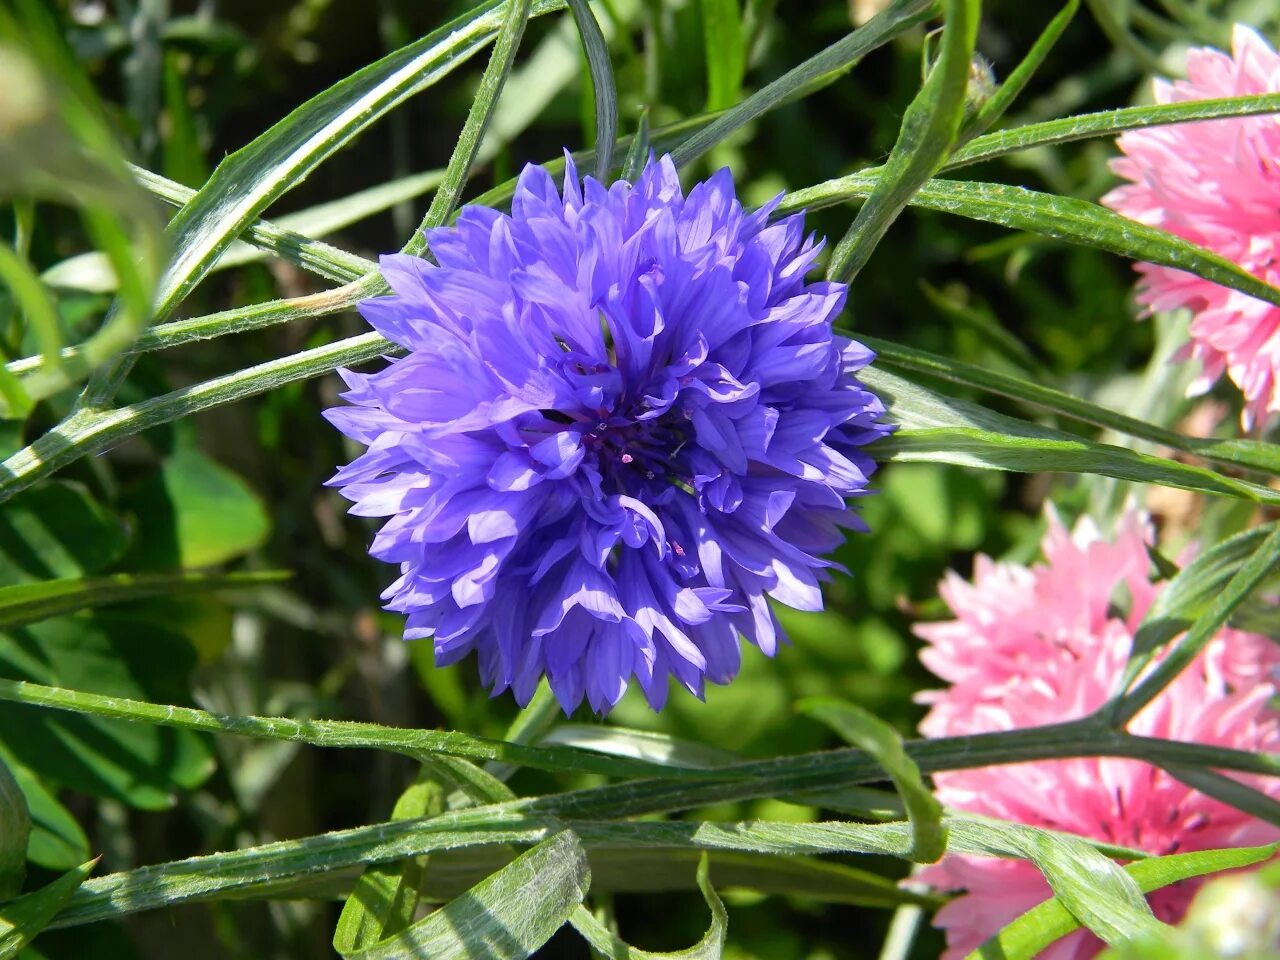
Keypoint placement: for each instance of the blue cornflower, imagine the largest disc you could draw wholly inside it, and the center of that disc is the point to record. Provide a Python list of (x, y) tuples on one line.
[(622, 422)]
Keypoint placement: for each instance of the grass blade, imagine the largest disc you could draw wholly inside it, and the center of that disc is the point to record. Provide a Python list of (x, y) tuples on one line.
[(938, 428), (726, 58), (1258, 567), (1059, 218), (15, 831)]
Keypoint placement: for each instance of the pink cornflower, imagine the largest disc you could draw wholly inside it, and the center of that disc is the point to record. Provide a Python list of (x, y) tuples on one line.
[(1047, 643), (1217, 184)]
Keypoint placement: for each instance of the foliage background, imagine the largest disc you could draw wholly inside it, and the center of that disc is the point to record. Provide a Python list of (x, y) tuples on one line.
[(240, 487)]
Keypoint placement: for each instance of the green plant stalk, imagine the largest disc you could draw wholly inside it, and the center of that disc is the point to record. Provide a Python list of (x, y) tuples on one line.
[(1107, 122), (1077, 738), (467, 146)]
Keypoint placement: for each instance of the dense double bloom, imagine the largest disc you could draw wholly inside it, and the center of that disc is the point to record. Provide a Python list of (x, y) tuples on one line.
[(1039, 645), (623, 422), (1217, 184)]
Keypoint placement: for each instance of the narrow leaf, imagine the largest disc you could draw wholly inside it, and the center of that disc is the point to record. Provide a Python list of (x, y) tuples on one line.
[(1108, 122), (384, 899), (602, 85), (1040, 926), (929, 129), (1258, 567), (1091, 886), (1059, 218), (22, 919), (726, 60), (1008, 91), (869, 732), (1230, 791), (613, 947), (15, 833), (32, 602), (338, 733), (507, 916), (1253, 454), (898, 17), (938, 428)]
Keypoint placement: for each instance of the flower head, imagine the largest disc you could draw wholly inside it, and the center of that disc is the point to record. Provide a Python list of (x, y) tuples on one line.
[(1039, 645), (622, 422), (1217, 184)]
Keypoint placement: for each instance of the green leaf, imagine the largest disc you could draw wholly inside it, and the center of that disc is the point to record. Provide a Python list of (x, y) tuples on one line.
[(273, 866), (1253, 454), (1188, 595), (1093, 887), (898, 17), (726, 55), (57, 530), (291, 236), (938, 428), (249, 180), (507, 916), (385, 897), (515, 15), (1257, 568), (613, 947), (603, 86), (60, 146), (194, 512), (645, 745), (57, 842), (1040, 926), (1228, 790), (29, 603), (638, 153), (1056, 217), (334, 733), (881, 741), (22, 919), (15, 833), (666, 869), (929, 130), (139, 764), (656, 869)]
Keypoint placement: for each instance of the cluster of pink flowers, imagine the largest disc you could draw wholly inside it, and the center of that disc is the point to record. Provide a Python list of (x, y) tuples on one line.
[(1043, 644), (1217, 184)]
